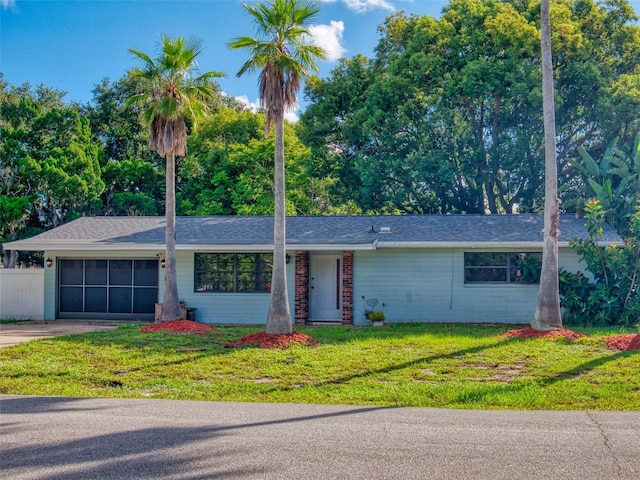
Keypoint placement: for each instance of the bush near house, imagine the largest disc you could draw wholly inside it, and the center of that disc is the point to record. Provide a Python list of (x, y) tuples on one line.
[(612, 297)]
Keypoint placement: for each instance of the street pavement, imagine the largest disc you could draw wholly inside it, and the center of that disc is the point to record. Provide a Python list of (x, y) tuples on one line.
[(74, 438)]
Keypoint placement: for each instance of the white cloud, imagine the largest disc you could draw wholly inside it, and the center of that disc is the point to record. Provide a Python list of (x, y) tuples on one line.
[(329, 37), (8, 3), (244, 100), (362, 6), (290, 116)]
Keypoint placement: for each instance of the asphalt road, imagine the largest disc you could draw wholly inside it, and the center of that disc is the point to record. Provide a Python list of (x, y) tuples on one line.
[(71, 438)]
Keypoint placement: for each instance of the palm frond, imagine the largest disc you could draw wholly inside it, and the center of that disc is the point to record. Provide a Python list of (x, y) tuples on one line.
[(172, 88), (279, 52)]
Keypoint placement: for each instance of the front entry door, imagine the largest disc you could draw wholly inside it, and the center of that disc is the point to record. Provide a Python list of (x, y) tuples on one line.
[(325, 295)]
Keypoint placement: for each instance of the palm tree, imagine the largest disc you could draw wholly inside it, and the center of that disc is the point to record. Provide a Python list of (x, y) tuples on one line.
[(547, 315), (171, 90), (283, 58)]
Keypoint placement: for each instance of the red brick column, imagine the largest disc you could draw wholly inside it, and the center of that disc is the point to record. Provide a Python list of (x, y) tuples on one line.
[(302, 288), (347, 288)]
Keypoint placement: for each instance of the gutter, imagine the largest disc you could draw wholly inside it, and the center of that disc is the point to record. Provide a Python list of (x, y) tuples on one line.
[(466, 245), (154, 247)]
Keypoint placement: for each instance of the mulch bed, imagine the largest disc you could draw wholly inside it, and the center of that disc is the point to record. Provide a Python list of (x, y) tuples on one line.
[(177, 326), (623, 342), (260, 339), (531, 333), (617, 342), (265, 340)]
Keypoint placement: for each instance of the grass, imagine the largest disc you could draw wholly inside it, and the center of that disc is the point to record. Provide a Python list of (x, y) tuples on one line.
[(448, 366)]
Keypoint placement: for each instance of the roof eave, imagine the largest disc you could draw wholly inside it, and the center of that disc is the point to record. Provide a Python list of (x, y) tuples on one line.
[(146, 247), (469, 245)]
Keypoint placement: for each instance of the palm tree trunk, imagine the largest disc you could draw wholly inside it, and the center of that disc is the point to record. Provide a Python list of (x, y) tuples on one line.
[(170, 303), (547, 315), (279, 317)]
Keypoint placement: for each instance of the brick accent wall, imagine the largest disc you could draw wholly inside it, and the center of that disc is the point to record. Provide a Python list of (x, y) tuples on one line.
[(347, 288), (302, 287)]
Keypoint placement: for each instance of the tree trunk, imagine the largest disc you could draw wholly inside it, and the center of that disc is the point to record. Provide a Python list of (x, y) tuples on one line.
[(170, 303), (10, 258), (547, 315), (279, 317)]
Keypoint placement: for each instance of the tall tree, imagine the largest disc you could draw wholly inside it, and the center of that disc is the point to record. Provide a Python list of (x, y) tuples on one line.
[(448, 115), (229, 169), (49, 168), (171, 90), (547, 315), (282, 57)]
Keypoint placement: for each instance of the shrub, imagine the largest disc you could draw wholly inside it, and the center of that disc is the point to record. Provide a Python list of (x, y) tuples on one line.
[(613, 298), (375, 315)]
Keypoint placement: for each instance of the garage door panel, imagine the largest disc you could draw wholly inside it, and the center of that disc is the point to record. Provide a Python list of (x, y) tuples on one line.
[(107, 289), (71, 299), (96, 272), (96, 299)]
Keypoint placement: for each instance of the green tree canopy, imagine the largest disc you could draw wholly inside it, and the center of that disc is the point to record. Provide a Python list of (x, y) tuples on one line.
[(447, 116)]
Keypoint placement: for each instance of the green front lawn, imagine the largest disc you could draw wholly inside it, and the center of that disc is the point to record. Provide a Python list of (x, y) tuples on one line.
[(450, 366)]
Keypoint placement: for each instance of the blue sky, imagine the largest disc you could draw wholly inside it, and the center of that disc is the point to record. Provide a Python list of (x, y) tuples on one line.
[(73, 45)]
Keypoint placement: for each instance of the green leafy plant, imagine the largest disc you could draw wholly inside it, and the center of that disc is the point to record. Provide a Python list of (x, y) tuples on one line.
[(612, 296), (375, 315)]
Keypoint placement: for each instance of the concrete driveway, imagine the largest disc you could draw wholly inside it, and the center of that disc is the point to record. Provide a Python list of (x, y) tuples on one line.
[(14, 333), (101, 438)]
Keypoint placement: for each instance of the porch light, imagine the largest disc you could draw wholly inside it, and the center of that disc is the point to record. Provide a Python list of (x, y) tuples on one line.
[(287, 258), (163, 263), (48, 262)]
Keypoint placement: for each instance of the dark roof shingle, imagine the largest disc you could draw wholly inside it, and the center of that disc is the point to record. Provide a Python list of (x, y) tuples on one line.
[(329, 231)]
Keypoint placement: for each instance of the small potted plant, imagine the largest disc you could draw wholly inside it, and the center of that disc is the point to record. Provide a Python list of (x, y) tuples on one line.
[(377, 317)]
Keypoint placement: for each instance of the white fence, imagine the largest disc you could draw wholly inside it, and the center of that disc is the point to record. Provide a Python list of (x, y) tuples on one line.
[(22, 293)]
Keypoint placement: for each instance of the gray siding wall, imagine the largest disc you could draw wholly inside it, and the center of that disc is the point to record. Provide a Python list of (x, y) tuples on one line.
[(415, 285), (225, 308), (428, 286), (222, 308)]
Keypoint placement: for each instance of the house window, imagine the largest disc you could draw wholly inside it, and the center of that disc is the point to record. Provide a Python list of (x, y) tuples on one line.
[(233, 272), (502, 267)]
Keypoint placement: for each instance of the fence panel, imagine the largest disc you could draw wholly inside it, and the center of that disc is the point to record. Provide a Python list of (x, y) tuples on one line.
[(22, 293)]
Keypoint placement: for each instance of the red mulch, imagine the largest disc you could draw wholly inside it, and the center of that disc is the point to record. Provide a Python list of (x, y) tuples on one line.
[(531, 333), (265, 340), (177, 326), (623, 342), (618, 342)]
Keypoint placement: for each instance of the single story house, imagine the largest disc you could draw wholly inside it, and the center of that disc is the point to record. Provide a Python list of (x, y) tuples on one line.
[(417, 268)]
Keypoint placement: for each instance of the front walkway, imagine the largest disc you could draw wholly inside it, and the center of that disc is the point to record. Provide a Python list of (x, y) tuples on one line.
[(14, 333)]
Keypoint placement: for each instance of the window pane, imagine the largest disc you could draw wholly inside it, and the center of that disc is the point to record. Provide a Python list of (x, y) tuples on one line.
[(96, 299), (71, 272), (485, 275), (70, 299), (120, 272), (146, 273), (218, 282), (485, 259), (526, 268), (120, 300), (95, 272)]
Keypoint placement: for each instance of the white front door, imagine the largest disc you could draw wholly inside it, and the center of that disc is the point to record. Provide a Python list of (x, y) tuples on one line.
[(325, 275)]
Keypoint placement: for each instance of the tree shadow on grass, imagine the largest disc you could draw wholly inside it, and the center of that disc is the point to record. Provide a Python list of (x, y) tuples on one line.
[(480, 394), (399, 366)]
